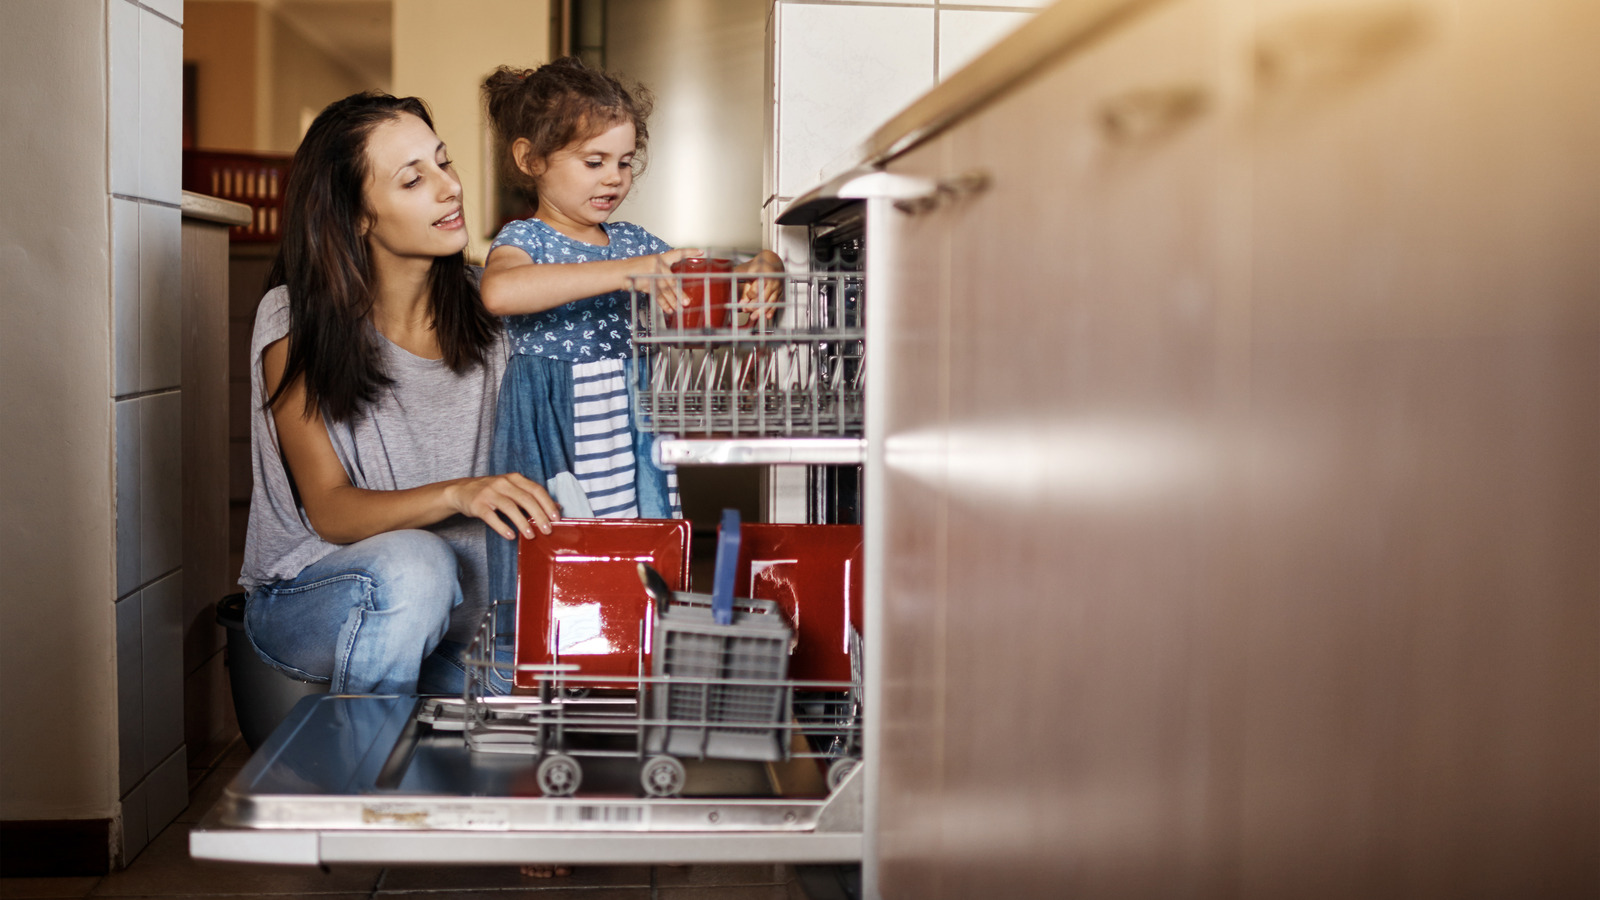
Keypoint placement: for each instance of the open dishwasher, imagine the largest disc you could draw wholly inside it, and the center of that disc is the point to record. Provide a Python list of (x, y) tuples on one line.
[(637, 724)]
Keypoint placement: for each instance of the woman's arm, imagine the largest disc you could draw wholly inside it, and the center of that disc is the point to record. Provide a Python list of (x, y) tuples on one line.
[(343, 513), (513, 283)]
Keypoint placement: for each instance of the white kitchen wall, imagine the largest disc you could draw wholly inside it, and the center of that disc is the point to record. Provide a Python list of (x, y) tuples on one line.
[(703, 61), (444, 59), (838, 70), (145, 66)]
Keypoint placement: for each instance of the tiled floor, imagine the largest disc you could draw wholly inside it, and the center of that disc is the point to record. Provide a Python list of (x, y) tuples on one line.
[(164, 870)]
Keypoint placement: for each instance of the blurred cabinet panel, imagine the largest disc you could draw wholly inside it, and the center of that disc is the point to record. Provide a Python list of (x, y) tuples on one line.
[(1241, 514)]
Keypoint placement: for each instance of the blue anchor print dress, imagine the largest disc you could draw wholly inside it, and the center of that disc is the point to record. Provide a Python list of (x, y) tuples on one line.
[(565, 416)]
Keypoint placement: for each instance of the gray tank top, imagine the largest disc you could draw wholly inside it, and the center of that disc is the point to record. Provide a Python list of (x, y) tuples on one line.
[(430, 425)]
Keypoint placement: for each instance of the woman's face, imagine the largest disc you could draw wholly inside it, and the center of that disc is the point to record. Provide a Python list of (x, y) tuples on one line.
[(413, 196)]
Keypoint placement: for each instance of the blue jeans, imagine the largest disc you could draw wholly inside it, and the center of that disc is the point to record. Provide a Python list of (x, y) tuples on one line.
[(364, 617)]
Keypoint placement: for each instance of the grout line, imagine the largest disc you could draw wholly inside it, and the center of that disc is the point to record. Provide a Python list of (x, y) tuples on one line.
[(148, 201), (156, 12), (151, 392), (153, 580)]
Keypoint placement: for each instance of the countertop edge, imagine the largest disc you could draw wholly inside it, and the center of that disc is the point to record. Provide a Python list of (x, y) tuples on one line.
[(215, 209), (1052, 32)]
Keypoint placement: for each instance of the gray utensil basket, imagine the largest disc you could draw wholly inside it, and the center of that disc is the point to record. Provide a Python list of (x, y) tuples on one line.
[(714, 680)]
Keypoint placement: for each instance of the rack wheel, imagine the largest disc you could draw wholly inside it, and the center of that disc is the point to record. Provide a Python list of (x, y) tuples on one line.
[(840, 769), (559, 775), (662, 776)]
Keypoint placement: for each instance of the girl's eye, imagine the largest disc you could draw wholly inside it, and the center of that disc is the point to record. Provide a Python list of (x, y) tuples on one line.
[(626, 164), (593, 163), (447, 164)]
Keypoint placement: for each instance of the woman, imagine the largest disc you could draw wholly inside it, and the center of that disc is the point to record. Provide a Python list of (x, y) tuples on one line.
[(374, 371)]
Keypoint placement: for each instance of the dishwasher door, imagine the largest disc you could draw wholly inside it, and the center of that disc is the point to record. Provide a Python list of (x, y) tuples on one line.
[(364, 779)]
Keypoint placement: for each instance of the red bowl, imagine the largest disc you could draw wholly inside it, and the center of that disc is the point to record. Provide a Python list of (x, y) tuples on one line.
[(706, 301)]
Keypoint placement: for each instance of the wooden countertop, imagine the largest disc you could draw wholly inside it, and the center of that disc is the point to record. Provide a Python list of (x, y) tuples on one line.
[(214, 209)]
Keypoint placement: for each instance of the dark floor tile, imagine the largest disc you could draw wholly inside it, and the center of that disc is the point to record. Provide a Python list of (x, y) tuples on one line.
[(237, 755), (165, 869), (437, 878), (363, 895), (204, 795), (31, 888), (730, 892), (828, 882), (557, 892), (686, 876), (212, 753)]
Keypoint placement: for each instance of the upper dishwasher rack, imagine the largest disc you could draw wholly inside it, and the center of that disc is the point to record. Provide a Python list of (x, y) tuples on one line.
[(727, 376)]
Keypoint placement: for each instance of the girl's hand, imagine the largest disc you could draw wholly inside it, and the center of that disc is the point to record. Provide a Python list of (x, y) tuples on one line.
[(665, 285), (762, 297), (513, 496)]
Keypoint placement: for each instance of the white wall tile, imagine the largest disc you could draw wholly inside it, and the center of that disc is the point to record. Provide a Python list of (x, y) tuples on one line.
[(128, 478), (172, 9), (160, 297), (122, 23), (135, 823), (167, 790), (844, 71), (130, 692), (965, 34), (162, 621), (124, 296), (160, 484), (160, 109)]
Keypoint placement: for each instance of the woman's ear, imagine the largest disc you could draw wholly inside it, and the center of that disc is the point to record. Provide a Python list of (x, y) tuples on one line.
[(522, 154)]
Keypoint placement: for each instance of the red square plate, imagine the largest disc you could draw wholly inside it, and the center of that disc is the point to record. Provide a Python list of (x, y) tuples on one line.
[(814, 573), (578, 593)]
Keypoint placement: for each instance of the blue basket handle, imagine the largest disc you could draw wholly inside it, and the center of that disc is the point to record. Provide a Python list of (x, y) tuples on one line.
[(726, 567)]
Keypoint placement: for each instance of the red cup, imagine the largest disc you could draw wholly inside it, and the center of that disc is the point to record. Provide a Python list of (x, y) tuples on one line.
[(706, 301)]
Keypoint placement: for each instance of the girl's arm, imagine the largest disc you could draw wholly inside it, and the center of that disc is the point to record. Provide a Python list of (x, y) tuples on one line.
[(512, 283), (343, 514)]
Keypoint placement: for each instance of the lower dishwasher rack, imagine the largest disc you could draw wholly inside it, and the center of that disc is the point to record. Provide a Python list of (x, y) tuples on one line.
[(361, 779)]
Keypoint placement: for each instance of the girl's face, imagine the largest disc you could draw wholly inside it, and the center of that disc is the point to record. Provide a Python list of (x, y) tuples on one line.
[(582, 184), (413, 196)]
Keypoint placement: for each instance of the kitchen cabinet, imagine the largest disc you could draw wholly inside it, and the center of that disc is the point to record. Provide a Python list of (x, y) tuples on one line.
[(1238, 510)]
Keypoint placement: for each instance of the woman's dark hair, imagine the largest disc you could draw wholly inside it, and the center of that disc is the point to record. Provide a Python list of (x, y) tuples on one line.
[(557, 105), (323, 260)]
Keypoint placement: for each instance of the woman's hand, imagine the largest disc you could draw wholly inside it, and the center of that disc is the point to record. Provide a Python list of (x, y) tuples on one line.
[(761, 297), (498, 499)]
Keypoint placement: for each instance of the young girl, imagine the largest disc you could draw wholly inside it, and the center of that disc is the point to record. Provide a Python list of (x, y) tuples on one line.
[(576, 136)]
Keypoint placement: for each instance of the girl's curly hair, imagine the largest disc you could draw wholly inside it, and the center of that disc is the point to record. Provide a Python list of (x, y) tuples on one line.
[(559, 104)]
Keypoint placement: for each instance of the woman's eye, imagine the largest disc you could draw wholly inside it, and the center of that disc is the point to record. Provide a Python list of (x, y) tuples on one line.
[(414, 182), (447, 164)]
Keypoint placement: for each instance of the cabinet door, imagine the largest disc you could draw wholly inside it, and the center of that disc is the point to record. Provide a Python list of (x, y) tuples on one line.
[(1061, 439), (1424, 511), (909, 306)]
